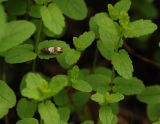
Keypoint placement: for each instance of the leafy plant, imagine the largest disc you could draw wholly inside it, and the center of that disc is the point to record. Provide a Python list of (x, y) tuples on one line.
[(55, 99)]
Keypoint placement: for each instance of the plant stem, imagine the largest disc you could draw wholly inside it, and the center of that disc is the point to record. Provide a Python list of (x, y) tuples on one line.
[(41, 121), (36, 45)]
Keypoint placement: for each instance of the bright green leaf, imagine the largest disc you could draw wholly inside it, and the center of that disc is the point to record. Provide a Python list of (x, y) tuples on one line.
[(84, 40), (7, 98), (16, 33), (118, 8), (140, 28), (98, 97), (114, 97), (28, 121), (49, 113), (75, 9), (72, 56), (109, 35), (52, 18), (57, 83), (73, 73), (105, 114), (93, 27), (81, 85), (128, 86), (150, 95), (26, 108), (20, 54), (36, 87), (122, 64)]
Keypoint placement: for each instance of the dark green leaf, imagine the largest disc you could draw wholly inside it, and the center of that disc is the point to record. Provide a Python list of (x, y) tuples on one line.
[(26, 108), (150, 95), (153, 111), (64, 113), (16, 7)]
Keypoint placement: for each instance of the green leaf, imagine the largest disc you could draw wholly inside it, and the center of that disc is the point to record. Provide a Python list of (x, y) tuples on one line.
[(105, 115), (49, 113), (81, 85), (153, 111), (7, 98), (64, 113), (28, 121), (52, 18), (118, 8), (57, 83), (104, 71), (109, 35), (150, 95), (35, 11), (72, 56), (20, 54), (26, 108), (99, 98), (124, 20), (98, 82), (61, 99), (156, 122), (122, 64), (36, 87), (16, 7), (16, 33), (84, 40), (93, 27), (88, 122), (140, 28), (3, 23), (73, 73), (52, 43), (128, 86), (80, 99), (113, 97), (74, 9), (41, 2)]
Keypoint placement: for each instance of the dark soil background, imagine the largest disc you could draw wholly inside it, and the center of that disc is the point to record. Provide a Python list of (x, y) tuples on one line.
[(131, 110)]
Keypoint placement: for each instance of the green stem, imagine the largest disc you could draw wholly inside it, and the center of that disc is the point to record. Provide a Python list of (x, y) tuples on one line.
[(36, 45)]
